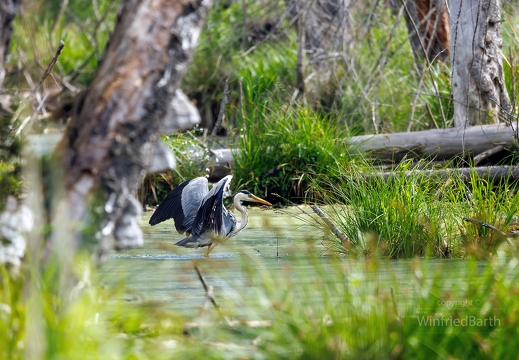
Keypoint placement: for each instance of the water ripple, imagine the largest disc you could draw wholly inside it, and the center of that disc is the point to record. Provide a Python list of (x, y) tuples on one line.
[(169, 256)]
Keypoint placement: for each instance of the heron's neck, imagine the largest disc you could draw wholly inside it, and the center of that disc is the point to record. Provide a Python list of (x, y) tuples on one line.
[(244, 216)]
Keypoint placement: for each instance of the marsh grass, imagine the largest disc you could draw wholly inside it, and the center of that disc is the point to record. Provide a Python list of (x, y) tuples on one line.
[(280, 148), (409, 214), (496, 203)]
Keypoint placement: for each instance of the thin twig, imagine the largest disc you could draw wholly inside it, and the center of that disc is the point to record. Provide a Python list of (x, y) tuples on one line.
[(49, 67), (208, 291), (429, 65), (333, 228), (380, 63), (34, 92), (30, 119), (431, 116)]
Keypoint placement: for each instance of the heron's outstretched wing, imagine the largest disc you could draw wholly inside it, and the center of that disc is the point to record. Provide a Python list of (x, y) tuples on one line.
[(182, 204), (213, 214)]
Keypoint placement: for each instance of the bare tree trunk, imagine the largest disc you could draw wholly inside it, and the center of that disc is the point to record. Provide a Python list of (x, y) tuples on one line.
[(478, 85), (112, 136), (428, 26), (326, 32)]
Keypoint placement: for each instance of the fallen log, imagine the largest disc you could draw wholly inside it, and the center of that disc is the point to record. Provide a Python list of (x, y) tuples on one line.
[(492, 173), (436, 144)]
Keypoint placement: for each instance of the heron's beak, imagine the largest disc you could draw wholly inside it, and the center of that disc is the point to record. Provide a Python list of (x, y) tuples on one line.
[(260, 200)]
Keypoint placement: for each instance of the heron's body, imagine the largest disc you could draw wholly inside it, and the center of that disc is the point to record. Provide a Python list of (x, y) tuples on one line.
[(200, 213)]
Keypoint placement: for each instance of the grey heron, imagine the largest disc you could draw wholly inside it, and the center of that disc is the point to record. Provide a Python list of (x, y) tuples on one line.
[(201, 214)]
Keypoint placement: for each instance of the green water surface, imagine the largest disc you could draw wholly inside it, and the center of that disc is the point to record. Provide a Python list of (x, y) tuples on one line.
[(273, 240)]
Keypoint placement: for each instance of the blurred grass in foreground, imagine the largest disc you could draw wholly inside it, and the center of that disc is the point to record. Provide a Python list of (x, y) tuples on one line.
[(340, 309)]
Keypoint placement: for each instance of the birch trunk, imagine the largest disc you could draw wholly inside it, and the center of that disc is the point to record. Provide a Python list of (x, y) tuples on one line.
[(478, 85), (112, 136)]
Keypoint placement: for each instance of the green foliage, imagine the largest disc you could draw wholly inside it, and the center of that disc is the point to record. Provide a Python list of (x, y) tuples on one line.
[(84, 27), (10, 166), (227, 50), (378, 88), (280, 148), (489, 202)]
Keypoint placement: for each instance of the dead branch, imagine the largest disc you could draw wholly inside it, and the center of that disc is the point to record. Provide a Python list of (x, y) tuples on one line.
[(484, 224), (50, 66), (208, 291), (486, 154), (492, 227), (435, 144), (333, 228), (33, 93), (492, 173)]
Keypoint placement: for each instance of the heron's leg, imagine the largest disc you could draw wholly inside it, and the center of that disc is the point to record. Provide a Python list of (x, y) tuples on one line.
[(211, 247)]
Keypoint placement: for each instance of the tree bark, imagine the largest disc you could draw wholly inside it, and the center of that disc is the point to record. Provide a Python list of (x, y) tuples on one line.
[(428, 27), (478, 85), (111, 137)]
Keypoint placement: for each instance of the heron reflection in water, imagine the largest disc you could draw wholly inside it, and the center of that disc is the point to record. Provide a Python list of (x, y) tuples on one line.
[(201, 214)]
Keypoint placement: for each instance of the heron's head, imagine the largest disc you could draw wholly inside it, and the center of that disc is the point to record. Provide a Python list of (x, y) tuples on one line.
[(245, 195)]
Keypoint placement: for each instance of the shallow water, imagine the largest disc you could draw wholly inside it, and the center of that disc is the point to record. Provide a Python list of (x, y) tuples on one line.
[(273, 240), (160, 271)]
